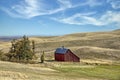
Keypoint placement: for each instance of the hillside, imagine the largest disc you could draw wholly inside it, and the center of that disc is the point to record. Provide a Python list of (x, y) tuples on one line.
[(93, 45), (97, 39), (99, 53)]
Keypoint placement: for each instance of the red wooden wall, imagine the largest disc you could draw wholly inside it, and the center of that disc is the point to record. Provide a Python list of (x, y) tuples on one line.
[(68, 56), (59, 57)]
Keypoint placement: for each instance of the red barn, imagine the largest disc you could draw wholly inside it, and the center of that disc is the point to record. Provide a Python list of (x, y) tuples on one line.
[(64, 54)]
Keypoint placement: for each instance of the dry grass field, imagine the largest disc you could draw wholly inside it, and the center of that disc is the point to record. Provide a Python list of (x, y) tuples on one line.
[(94, 46), (58, 71), (99, 53)]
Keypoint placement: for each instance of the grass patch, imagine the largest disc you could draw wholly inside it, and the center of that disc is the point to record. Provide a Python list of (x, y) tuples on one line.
[(110, 72), (61, 71)]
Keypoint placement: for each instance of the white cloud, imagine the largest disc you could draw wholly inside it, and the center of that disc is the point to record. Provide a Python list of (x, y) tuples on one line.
[(79, 19), (26, 9), (92, 3), (32, 8), (114, 3), (65, 3), (84, 19), (110, 17)]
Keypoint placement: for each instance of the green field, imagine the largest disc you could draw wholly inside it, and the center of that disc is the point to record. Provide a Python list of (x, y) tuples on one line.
[(110, 72)]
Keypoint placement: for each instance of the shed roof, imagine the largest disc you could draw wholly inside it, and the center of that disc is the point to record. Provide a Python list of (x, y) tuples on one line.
[(61, 50)]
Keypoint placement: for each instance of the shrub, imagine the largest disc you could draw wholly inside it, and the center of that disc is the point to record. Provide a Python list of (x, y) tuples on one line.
[(42, 57), (3, 56)]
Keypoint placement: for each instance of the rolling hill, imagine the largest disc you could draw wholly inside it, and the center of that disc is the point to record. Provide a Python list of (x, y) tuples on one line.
[(99, 53), (93, 45)]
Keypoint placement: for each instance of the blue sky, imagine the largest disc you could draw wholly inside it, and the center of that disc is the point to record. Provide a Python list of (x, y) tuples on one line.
[(57, 17)]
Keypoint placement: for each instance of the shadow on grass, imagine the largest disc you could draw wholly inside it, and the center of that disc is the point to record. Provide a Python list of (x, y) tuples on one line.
[(50, 60)]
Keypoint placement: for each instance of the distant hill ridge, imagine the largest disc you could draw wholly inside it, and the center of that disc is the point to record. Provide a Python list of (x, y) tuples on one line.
[(8, 38)]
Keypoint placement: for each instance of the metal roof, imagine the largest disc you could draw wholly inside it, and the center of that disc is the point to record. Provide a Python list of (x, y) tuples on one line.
[(61, 50)]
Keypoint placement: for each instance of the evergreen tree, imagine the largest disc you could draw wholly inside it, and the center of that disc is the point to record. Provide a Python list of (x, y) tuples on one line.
[(33, 46), (11, 53), (42, 57), (21, 49), (12, 49)]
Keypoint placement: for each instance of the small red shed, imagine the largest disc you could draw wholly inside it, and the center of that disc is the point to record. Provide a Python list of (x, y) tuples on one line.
[(64, 54)]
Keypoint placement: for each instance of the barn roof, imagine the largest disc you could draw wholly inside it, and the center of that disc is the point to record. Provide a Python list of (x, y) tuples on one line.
[(61, 50)]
